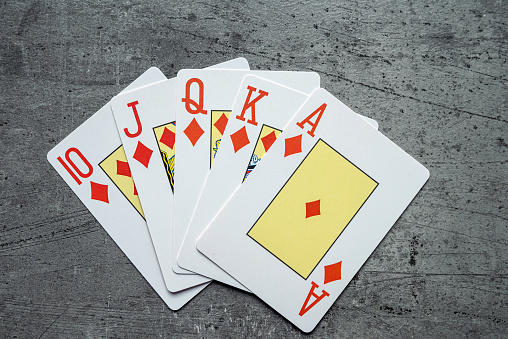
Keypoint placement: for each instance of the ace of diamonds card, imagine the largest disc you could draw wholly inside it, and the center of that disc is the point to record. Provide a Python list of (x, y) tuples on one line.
[(297, 231)]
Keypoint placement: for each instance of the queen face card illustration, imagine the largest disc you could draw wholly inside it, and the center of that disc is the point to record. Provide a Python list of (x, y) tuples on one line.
[(313, 210), (204, 100), (145, 119), (92, 162), (261, 110)]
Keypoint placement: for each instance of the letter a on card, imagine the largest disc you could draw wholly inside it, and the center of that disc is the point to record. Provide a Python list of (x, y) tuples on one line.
[(312, 294), (320, 110)]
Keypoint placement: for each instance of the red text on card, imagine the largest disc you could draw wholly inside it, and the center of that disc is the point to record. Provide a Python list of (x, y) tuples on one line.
[(73, 165), (314, 124), (252, 105), (138, 122), (192, 106), (317, 298)]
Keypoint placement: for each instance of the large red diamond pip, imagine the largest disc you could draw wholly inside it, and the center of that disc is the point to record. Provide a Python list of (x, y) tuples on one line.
[(142, 154), (193, 132)]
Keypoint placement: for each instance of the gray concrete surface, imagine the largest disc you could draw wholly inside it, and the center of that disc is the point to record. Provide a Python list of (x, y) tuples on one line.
[(433, 73)]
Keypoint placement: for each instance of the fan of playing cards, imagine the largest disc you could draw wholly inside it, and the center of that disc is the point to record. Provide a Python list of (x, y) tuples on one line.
[(259, 179)]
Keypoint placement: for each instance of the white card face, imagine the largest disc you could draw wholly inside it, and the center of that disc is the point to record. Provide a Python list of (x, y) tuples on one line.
[(307, 218), (145, 119), (85, 159), (204, 101), (261, 111)]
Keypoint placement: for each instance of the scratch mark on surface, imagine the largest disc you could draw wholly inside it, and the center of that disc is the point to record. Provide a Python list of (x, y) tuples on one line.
[(161, 321), (485, 214), (370, 313), (485, 74), (419, 274), (457, 253), (31, 241), (54, 321), (464, 234), (498, 118), (107, 314), (117, 69)]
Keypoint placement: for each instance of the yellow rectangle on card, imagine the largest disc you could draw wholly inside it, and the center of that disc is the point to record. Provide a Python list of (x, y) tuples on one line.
[(117, 169), (312, 209)]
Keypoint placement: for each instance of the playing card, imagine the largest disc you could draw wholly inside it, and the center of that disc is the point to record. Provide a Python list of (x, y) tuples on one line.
[(92, 162), (145, 119), (310, 214), (204, 102), (261, 111)]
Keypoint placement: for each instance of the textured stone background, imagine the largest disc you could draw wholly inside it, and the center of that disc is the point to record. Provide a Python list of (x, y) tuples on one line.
[(433, 73)]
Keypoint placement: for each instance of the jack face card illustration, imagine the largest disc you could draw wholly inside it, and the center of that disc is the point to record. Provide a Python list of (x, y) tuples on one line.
[(204, 100), (145, 119), (261, 111), (313, 210), (92, 162)]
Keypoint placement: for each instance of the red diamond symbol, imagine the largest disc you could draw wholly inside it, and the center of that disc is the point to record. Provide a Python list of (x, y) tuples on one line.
[(99, 192), (293, 145), (168, 138), (312, 208), (122, 168), (221, 123), (240, 139), (268, 140), (142, 154), (193, 132), (332, 272)]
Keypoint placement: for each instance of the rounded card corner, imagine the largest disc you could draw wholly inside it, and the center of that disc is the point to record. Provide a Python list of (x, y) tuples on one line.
[(49, 155), (242, 59)]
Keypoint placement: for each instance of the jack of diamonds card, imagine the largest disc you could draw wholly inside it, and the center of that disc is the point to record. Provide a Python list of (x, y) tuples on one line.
[(145, 119), (311, 213), (92, 162)]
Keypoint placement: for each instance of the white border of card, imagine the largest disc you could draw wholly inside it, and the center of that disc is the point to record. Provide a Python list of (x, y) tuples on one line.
[(257, 256), (261, 111), (139, 116), (199, 94), (77, 159)]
